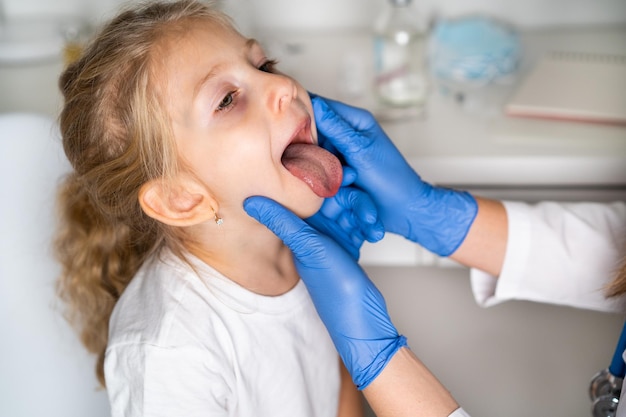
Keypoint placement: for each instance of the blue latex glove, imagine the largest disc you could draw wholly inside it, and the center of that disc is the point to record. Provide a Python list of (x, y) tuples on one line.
[(349, 217), (435, 217), (348, 303)]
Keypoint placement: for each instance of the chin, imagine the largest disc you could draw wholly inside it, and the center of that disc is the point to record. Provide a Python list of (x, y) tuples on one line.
[(306, 207)]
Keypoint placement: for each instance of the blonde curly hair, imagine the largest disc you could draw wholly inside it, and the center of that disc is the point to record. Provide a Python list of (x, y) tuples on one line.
[(117, 136)]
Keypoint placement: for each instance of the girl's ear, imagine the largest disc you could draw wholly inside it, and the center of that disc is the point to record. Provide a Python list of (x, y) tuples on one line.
[(182, 202)]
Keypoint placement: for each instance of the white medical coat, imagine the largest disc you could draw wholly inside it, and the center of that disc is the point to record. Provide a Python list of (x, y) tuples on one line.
[(559, 253)]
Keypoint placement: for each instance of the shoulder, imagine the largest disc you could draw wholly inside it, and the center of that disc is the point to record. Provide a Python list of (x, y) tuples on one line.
[(161, 306), (144, 379), (163, 342)]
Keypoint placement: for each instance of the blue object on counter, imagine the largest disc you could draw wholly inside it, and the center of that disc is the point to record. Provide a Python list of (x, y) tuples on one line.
[(474, 50)]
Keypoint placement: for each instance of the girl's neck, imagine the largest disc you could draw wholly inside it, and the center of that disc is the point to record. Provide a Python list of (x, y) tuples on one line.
[(247, 254)]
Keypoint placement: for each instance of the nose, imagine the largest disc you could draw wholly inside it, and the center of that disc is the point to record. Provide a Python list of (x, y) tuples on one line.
[(281, 91)]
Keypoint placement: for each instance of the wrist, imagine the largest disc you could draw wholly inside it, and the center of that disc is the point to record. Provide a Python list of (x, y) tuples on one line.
[(442, 223), (407, 388), (485, 245), (367, 365)]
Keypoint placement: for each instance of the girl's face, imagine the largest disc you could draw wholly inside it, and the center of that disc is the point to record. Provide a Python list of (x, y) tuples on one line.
[(233, 116)]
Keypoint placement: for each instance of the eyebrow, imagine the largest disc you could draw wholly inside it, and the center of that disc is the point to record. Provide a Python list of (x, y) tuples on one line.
[(250, 44)]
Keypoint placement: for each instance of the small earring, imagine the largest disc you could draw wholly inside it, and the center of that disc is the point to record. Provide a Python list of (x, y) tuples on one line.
[(218, 220)]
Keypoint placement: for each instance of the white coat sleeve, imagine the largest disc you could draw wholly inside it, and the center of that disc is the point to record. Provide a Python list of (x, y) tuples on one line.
[(459, 412), (559, 253)]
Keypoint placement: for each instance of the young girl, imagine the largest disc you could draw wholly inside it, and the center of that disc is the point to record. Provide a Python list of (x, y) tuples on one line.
[(171, 119)]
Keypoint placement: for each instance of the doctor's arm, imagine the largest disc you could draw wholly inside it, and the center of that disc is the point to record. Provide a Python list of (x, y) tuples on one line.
[(559, 253), (485, 244), (393, 380)]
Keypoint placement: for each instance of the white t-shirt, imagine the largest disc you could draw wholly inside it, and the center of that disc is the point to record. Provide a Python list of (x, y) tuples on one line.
[(189, 344), (559, 253)]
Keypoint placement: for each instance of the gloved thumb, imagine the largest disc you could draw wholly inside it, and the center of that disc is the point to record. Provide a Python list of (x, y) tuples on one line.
[(301, 238), (340, 124)]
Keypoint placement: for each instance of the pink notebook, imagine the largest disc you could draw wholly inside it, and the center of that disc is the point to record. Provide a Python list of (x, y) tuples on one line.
[(574, 86)]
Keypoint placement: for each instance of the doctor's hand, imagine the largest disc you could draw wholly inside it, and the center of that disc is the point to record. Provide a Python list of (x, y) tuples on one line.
[(350, 217), (348, 303), (435, 217)]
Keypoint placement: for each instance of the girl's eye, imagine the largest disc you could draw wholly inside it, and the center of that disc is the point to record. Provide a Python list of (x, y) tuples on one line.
[(227, 101), (269, 66)]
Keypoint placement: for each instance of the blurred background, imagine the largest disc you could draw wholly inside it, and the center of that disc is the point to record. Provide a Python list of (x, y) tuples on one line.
[(515, 359)]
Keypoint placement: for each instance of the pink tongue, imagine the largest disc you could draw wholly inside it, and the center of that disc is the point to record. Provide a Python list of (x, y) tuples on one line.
[(318, 168)]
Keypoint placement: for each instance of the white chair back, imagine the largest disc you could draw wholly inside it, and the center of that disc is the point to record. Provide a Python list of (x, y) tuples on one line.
[(44, 370)]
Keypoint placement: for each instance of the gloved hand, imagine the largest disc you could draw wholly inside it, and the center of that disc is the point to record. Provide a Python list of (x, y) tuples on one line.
[(349, 217), (348, 303), (435, 217)]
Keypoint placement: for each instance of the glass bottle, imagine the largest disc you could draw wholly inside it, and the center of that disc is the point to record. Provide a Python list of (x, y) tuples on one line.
[(400, 77)]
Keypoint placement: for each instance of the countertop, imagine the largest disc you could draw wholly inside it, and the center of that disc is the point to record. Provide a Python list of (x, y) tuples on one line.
[(474, 145)]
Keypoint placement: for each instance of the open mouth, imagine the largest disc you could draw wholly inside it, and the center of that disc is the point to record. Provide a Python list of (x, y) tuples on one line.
[(303, 133), (312, 164)]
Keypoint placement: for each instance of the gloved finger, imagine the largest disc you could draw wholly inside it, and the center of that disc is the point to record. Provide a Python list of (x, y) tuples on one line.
[(349, 218), (343, 237), (331, 208), (327, 144), (357, 230), (359, 213), (359, 203), (349, 176), (357, 118), (346, 221), (292, 230), (337, 130), (358, 137), (348, 202)]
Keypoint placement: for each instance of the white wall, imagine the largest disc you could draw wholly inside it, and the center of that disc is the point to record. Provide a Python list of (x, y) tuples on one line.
[(89, 8), (17, 84), (311, 14), (44, 370), (315, 14)]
